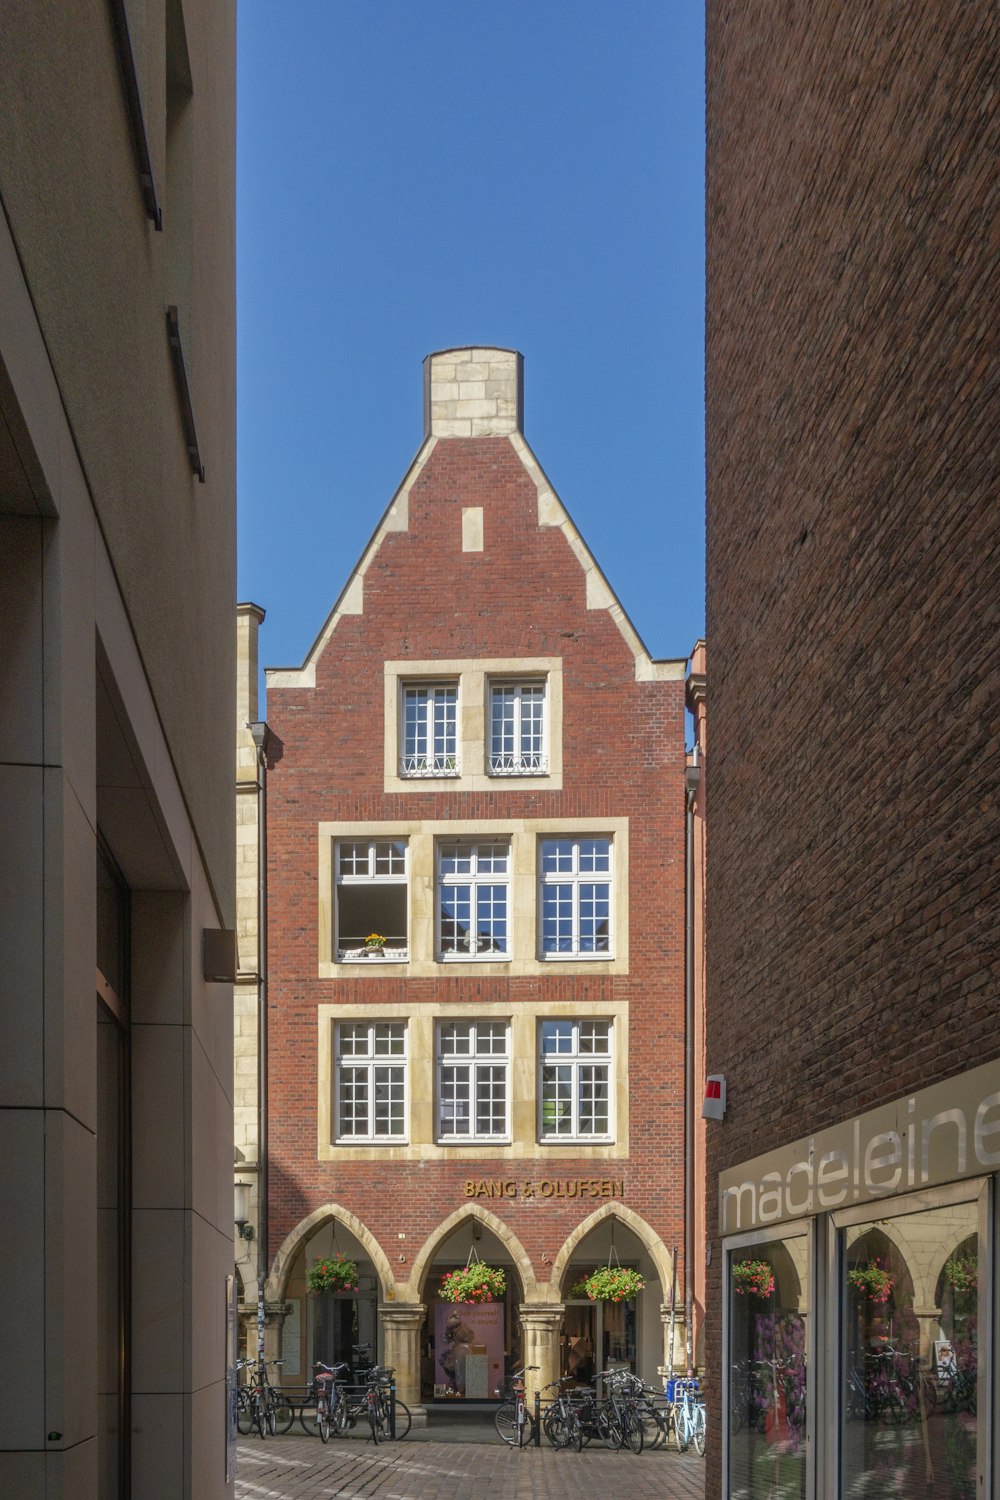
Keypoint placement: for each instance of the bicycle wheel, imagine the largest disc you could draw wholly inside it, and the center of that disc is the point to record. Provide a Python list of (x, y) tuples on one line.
[(632, 1429), (340, 1415), (505, 1423), (307, 1418), (557, 1429), (682, 1436), (403, 1419), (656, 1423), (259, 1415), (698, 1433), (374, 1424), (323, 1422), (269, 1414), (284, 1412), (244, 1411), (609, 1428)]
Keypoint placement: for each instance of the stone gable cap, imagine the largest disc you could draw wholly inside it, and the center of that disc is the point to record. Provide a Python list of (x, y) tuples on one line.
[(473, 391)]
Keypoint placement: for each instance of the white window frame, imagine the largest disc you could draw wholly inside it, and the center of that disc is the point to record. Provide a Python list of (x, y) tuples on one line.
[(370, 1063), (400, 952), (441, 754), (476, 880), (518, 761), (575, 1060), (577, 880), (477, 1060)]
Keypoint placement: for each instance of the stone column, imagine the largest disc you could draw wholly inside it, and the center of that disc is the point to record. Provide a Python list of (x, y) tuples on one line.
[(541, 1325), (678, 1366), (401, 1324)]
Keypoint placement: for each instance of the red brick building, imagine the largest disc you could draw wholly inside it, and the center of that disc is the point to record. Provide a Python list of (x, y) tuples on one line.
[(854, 764), (475, 826)]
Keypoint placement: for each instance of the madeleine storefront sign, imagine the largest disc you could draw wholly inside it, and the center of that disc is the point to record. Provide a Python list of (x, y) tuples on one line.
[(940, 1134)]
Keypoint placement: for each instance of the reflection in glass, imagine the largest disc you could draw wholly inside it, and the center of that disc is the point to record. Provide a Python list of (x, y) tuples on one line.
[(909, 1298), (768, 1302)]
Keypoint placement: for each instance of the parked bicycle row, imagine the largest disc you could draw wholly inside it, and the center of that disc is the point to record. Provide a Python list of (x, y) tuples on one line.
[(628, 1414), (335, 1402)]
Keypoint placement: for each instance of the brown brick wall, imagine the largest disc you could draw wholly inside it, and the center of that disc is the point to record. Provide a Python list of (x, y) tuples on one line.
[(853, 571), (524, 595)]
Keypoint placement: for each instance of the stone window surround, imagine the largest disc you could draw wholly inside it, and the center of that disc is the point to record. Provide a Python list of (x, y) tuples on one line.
[(472, 881), (474, 676), (472, 1061), (524, 835), (369, 1062), (421, 1142), (574, 1060)]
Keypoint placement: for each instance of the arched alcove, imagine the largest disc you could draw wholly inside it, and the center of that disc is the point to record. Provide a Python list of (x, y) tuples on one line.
[(307, 1229)]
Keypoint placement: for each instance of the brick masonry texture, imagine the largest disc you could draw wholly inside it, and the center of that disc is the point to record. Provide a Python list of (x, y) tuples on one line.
[(853, 570), (424, 598)]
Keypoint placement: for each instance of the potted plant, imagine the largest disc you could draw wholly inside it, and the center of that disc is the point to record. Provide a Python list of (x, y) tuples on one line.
[(476, 1282), (873, 1280), (962, 1274), (753, 1278), (374, 942), (335, 1274), (609, 1284)]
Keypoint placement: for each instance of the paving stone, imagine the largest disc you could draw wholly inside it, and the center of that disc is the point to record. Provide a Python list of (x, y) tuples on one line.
[(300, 1468)]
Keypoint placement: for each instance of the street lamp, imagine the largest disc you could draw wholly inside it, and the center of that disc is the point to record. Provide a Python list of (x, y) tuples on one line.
[(241, 1210)]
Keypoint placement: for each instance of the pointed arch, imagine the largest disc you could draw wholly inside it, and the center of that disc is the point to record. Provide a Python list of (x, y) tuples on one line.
[(651, 1242), (504, 1234), (277, 1281)]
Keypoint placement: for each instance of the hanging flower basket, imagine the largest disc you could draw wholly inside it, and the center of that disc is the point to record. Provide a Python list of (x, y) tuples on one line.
[(609, 1284), (474, 1283), (753, 1278), (873, 1281), (333, 1275), (962, 1274)]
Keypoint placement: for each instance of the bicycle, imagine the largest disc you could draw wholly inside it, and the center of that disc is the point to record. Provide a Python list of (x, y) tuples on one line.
[(324, 1418), (619, 1423), (689, 1415), (654, 1411), (513, 1421), (249, 1408), (259, 1404), (279, 1413), (561, 1420), (388, 1417)]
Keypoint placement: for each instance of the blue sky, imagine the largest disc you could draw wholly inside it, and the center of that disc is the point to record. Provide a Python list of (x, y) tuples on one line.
[(420, 174)]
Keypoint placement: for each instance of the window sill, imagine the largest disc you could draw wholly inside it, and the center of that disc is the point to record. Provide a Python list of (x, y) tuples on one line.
[(370, 956), (576, 958), (576, 1140), (372, 1140), (473, 1140), (473, 958)]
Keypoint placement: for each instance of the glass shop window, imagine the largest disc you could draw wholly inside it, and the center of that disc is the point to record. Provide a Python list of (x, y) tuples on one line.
[(910, 1315), (768, 1304)]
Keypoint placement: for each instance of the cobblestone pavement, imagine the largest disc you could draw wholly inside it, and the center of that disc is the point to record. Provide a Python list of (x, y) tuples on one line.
[(299, 1468)]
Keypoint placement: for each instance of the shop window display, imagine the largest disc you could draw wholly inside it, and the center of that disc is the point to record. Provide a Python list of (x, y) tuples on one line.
[(909, 1290), (468, 1348), (768, 1300)]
